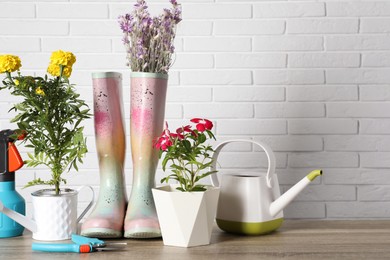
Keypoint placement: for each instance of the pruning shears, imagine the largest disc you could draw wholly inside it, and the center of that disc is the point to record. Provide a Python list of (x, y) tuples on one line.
[(80, 244)]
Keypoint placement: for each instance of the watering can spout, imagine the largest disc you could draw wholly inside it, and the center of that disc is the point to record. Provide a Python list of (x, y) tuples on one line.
[(21, 219), (280, 203)]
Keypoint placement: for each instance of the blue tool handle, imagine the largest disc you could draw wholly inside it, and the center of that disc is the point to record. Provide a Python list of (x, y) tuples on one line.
[(87, 240), (62, 248)]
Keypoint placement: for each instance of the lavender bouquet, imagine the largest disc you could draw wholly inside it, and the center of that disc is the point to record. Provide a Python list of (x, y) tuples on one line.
[(149, 40)]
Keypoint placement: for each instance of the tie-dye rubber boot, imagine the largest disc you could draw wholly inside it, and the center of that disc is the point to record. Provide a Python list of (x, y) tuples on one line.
[(106, 220), (148, 93)]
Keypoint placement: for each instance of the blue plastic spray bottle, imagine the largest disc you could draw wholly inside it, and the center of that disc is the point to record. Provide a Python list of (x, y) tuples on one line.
[(10, 161)]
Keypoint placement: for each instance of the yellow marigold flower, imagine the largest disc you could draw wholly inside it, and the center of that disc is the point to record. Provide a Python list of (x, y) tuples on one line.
[(55, 70), (16, 82), (39, 91), (67, 71), (9, 63), (64, 58)]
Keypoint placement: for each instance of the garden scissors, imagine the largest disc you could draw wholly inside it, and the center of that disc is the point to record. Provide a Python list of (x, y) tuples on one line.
[(80, 244)]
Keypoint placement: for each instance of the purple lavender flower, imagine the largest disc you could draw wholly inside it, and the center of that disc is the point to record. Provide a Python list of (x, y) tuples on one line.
[(177, 15), (126, 23), (172, 49), (167, 23), (125, 40), (140, 49), (146, 22), (149, 40), (141, 4), (167, 13)]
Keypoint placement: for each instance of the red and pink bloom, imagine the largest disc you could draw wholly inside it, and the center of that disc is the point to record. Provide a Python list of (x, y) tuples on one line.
[(202, 124), (167, 138)]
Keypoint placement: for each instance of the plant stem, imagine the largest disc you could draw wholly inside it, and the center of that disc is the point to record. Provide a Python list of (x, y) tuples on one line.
[(9, 76)]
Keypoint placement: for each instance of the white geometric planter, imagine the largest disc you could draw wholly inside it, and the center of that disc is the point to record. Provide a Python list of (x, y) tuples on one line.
[(186, 218)]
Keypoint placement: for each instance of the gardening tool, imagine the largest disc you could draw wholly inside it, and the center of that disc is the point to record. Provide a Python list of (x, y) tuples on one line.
[(80, 244), (10, 161), (250, 202)]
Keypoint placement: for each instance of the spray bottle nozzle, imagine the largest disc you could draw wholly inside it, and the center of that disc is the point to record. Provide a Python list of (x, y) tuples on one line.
[(10, 159)]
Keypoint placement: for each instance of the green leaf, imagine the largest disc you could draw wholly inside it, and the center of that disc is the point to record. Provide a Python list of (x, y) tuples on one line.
[(75, 166), (199, 177), (187, 145), (180, 189), (198, 188), (164, 162), (202, 138), (174, 166), (36, 182)]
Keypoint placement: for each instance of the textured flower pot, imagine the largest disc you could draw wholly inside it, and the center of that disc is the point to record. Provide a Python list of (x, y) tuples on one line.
[(147, 109), (56, 215), (186, 218)]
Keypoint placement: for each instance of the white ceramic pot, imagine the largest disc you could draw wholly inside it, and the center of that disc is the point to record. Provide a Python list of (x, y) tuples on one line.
[(55, 216), (186, 218)]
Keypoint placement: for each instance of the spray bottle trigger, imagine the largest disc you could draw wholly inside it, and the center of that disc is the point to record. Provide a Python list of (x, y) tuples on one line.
[(15, 161)]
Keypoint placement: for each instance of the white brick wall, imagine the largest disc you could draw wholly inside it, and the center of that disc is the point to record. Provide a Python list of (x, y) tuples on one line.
[(309, 77)]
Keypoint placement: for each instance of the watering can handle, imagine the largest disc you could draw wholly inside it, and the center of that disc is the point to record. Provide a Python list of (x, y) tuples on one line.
[(89, 204), (268, 151)]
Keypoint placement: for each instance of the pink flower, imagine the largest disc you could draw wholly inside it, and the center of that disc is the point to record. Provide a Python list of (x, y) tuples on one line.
[(184, 129), (166, 131), (172, 135), (163, 143), (202, 124)]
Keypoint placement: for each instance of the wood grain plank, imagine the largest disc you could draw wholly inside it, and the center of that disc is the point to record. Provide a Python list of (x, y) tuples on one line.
[(300, 239)]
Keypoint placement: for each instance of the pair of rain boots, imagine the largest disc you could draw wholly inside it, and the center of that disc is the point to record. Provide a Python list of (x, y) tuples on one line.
[(112, 216)]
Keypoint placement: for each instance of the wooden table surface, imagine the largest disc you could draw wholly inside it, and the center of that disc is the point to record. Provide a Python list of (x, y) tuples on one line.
[(300, 239)]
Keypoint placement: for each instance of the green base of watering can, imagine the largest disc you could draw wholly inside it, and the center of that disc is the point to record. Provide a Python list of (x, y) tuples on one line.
[(249, 228)]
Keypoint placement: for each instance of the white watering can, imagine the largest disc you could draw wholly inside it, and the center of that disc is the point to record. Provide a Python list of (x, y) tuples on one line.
[(250, 202), (55, 216)]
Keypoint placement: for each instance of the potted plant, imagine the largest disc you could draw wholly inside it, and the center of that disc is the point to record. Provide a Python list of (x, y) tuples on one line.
[(186, 211), (50, 114), (149, 43)]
